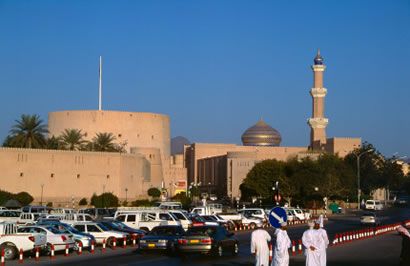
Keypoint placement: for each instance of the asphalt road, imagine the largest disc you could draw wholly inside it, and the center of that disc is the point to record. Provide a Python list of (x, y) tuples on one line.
[(381, 250)]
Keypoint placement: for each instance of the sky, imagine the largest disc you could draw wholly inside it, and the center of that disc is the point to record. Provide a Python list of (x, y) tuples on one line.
[(215, 67)]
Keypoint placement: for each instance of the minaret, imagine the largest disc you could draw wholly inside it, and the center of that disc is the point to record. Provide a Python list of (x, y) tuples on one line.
[(318, 121)]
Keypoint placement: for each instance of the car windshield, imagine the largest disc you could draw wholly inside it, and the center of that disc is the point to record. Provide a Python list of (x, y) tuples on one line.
[(206, 231), (72, 229), (54, 230), (164, 231), (103, 227)]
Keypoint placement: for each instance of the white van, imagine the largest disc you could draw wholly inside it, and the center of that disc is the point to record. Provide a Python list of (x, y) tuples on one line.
[(72, 218), (183, 218), (146, 219), (374, 205), (9, 215)]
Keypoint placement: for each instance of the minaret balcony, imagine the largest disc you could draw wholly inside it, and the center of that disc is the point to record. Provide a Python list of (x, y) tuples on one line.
[(318, 122), (318, 68), (318, 92)]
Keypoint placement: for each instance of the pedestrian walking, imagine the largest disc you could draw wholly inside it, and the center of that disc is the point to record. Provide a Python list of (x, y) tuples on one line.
[(322, 242), (309, 241), (259, 247), (405, 246), (283, 243)]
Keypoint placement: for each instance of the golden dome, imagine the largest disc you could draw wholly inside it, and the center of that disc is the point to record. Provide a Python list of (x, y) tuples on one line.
[(261, 134)]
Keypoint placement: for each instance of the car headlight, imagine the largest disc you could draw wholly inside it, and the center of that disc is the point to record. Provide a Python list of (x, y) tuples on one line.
[(143, 241), (162, 241)]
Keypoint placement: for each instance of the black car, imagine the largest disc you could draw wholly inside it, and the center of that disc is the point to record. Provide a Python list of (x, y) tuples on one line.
[(215, 240), (164, 237), (121, 227)]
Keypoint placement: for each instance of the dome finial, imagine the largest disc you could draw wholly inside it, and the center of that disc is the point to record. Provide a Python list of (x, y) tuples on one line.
[(318, 58)]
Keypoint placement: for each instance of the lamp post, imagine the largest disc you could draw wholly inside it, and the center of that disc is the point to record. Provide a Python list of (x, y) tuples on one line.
[(276, 192), (209, 189), (41, 199), (358, 174), (126, 194), (103, 203)]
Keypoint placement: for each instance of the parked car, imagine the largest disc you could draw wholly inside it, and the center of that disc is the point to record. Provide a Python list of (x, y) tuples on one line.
[(164, 237), (79, 237), (252, 222), (183, 218), (146, 219), (402, 201), (11, 241), (198, 220), (373, 205), (9, 215), (214, 240), (121, 227), (369, 218), (54, 236), (100, 232), (256, 212)]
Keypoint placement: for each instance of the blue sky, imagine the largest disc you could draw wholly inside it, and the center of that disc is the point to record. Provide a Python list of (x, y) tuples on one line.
[(215, 67)]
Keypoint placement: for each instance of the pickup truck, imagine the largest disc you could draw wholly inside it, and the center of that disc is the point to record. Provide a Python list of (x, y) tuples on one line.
[(12, 242)]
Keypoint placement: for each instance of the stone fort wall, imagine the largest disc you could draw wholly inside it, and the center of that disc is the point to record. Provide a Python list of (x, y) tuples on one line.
[(142, 130)]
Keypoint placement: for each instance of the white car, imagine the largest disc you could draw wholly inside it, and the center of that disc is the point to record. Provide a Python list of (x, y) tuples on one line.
[(374, 205), (53, 236), (255, 212), (100, 232), (183, 218), (11, 241), (252, 222)]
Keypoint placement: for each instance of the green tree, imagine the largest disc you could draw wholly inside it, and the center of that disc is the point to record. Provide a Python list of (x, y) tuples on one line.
[(29, 132), (83, 202), (104, 142), (53, 143), (72, 139), (184, 199), (105, 200), (154, 192), (24, 198)]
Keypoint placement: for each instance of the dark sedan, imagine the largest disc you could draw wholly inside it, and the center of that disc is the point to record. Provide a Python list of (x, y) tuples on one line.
[(215, 240), (162, 238), (121, 227)]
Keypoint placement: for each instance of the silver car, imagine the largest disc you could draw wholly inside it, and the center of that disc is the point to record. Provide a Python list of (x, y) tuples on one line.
[(370, 218)]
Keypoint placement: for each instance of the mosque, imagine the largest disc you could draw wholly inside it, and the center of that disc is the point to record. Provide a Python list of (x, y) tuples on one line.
[(221, 168), (64, 177)]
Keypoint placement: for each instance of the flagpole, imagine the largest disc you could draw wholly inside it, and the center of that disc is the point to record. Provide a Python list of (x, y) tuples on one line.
[(100, 86)]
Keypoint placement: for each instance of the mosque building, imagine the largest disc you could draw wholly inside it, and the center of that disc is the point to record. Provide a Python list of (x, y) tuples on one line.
[(221, 168), (65, 177)]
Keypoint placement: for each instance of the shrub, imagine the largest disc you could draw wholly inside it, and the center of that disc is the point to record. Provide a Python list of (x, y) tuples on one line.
[(24, 198), (83, 202), (154, 192), (142, 203), (49, 204), (106, 199)]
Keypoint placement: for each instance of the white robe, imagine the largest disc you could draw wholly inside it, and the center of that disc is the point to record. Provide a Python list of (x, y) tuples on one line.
[(318, 239), (259, 246), (310, 239), (281, 253), (323, 243)]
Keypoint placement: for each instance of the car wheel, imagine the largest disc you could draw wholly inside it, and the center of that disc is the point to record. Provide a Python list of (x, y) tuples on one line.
[(235, 249), (77, 245), (110, 242), (10, 251), (47, 250)]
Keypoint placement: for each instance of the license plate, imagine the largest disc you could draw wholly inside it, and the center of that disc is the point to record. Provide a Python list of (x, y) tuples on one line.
[(194, 241), (151, 245)]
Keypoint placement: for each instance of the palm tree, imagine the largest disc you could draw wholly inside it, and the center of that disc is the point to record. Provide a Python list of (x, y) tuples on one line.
[(29, 132), (53, 143), (104, 142), (72, 139)]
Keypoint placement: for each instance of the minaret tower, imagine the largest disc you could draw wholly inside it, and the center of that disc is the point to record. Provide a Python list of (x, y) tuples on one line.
[(318, 121)]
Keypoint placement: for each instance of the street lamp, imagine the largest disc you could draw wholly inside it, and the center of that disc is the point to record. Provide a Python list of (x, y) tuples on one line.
[(276, 192), (41, 199), (126, 194), (358, 174), (209, 189)]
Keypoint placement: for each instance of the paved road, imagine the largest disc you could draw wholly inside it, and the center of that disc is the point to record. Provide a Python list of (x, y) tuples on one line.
[(382, 250)]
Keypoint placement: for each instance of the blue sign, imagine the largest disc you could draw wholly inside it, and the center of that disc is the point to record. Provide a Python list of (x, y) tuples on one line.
[(277, 216)]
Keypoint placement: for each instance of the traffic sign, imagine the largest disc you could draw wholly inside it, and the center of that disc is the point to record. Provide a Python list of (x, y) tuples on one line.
[(277, 216)]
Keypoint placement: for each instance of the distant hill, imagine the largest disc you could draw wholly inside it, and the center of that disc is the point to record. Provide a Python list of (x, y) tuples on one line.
[(177, 144)]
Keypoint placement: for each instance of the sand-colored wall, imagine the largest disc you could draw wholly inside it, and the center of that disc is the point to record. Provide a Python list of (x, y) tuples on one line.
[(143, 130), (63, 175), (342, 146)]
